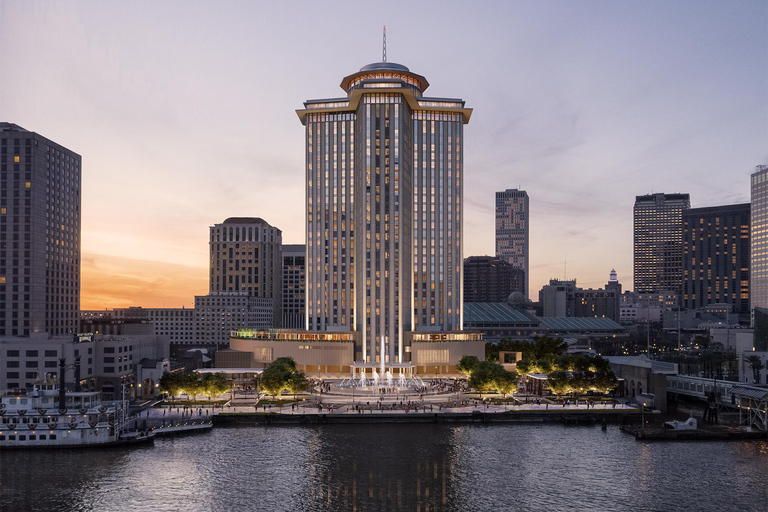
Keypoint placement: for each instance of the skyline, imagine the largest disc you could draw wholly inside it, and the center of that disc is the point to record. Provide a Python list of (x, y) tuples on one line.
[(178, 132)]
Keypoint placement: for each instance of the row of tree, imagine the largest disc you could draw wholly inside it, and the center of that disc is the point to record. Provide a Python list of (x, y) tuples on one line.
[(282, 375), (565, 382), (194, 384), (564, 363), (486, 376)]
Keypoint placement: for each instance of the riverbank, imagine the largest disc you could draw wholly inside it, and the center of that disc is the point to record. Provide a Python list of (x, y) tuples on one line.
[(568, 417)]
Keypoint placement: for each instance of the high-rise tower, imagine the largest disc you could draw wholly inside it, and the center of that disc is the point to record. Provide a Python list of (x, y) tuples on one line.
[(658, 242), (39, 235), (384, 210), (758, 283), (716, 257), (512, 230)]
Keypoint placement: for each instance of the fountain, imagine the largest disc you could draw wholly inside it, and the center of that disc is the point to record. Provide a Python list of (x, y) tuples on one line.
[(375, 379), (389, 379), (363, 380)]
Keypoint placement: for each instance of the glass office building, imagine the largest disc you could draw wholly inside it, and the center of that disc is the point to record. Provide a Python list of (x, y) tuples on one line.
[(758, 283)]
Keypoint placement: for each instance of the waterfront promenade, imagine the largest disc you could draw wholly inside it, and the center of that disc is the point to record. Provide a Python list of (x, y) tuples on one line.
[(446, 398)]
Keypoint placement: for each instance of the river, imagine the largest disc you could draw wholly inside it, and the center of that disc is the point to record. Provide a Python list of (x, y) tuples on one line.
[(393, 467)]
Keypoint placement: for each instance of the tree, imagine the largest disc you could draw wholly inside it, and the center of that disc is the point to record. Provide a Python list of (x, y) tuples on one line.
[(487, 376), (559, 383), (214, 384), (756, 364), (524, 367), (280, 375), (170, 383), (297, 383), (505, 382), (605, 382), (483, 376), (466, 364)]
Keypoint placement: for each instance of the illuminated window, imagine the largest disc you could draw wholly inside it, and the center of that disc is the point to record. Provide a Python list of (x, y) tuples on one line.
[(28, 184), (16, 159), (2, 279), (3, 211)]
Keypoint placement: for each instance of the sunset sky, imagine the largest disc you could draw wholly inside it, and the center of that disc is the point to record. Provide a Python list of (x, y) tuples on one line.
[(184, 114)]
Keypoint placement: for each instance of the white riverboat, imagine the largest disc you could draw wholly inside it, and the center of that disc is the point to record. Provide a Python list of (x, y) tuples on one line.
[(47, 417)]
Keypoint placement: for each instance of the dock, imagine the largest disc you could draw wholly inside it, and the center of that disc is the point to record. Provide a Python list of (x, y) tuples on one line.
[(185, 428), (585, 417), (706, 433)]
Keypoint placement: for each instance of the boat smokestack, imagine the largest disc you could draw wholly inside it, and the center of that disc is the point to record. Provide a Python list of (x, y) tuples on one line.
[(77, 374), (62, 386)]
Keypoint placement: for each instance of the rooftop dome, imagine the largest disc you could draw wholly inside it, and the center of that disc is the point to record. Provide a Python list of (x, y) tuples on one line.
[(516, 300), (384, 65)]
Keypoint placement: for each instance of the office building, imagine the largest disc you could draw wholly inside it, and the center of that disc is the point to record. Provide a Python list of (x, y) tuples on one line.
[(758, 283), (246, 257), (245, 280), (384, 211), (658, 241), (565, 299), (512, 230), (489, 279), (294, 283), (40, 190), (716, 257), (217, 315)]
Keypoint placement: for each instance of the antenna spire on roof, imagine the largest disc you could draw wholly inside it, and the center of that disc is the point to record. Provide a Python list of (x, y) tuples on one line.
[(384, 51)]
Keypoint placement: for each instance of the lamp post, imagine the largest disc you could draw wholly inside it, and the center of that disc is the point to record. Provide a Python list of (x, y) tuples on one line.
[(642, 415)]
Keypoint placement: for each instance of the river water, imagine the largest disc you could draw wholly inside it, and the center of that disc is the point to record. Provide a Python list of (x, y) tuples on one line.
[(393, 467)]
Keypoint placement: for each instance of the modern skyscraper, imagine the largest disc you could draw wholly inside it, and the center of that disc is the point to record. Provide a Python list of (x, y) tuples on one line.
[(716, 257), (512, 230), (758, 283), (384, 210), (294, 286), (658, 241), (39, 235)]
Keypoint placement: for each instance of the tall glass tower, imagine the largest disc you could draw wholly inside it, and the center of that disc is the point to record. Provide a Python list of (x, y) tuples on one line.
[(758, 283), (658, 242), (384, 170)]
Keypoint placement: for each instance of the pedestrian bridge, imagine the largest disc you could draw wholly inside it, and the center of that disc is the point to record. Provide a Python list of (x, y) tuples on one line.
[(700, 387)]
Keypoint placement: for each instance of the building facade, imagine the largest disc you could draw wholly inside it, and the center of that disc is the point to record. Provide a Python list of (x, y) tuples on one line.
[(658, 241), (246, 256), (177, 324), (245, 280), (384, 169), (216, 315), (565, 299), (758, 281), (489, 279), (512, 239), (716, 257), (40, 191), (294, 285)]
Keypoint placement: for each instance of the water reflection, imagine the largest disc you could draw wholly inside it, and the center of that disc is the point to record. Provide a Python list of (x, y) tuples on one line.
[(378, 468), (393, 467)]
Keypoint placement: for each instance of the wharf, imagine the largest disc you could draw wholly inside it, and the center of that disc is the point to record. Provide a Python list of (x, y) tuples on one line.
[(707, 433), (586, 417), (186, 428)]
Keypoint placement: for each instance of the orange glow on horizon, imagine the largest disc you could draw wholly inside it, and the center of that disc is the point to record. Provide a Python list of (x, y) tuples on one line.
[(112, 282)]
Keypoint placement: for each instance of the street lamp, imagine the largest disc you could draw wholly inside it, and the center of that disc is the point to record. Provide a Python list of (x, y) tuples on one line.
[(642, 415)]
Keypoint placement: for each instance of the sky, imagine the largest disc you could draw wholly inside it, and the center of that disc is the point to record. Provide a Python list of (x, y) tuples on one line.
[(184, 115)]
